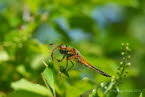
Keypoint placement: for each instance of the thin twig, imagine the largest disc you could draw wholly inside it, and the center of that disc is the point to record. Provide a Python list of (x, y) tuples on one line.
[(44, 63)]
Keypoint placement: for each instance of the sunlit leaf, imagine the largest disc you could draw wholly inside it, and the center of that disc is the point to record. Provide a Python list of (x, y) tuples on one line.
[(3, 56), (26, 86), (49, 79), (94, 93), (112, 93), (142, 94), (23, 93)]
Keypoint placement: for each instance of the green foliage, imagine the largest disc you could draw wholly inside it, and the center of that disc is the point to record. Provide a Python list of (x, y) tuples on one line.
[(49, 79), (93, 93), (111, 89), (29, 89), (142, 94)]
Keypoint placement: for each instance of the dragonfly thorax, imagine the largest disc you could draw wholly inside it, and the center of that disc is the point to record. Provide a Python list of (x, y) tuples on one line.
[(68, 51)]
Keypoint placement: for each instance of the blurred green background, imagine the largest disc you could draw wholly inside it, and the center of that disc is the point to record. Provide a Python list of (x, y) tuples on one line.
[(94, 27)]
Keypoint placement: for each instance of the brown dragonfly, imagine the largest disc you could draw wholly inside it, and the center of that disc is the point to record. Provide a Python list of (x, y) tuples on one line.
[(72, 54)]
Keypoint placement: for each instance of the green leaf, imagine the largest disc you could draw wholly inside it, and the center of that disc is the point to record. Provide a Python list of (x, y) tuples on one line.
[(26, 86), (142, 94), (64, 71), (22, 70), (112, 93), (94, 93), (49, 79), (23, 93), (3, 56)]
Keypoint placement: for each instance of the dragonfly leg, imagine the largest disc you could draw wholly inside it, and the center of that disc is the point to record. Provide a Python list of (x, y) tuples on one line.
[(66, 64), (59, 60), (71, 66)]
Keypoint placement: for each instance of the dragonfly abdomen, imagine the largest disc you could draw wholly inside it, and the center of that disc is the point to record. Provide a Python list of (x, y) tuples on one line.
[(100, 71), (82, 61)]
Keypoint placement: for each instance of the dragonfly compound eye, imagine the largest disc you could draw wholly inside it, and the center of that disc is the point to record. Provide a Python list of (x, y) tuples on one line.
[(63, 46)]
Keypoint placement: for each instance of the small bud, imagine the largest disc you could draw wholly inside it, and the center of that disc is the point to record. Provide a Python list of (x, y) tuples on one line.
[(121, 63), (85, 78), (102, 84), (122, 44), (128, 64), (105, 87), (127, 44), (113, 78), (122, 53), (129, 57), (94, 90), (127, 48)]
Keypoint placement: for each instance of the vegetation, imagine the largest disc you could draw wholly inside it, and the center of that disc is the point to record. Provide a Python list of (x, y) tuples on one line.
[(109, 34)]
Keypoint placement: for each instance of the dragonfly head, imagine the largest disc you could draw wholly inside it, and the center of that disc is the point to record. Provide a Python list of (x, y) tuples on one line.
[(62, 46)]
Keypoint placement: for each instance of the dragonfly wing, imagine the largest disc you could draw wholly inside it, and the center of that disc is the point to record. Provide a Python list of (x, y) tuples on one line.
[(84, 62)]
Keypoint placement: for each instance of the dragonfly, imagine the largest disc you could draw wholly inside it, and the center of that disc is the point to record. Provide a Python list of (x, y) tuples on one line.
[(71, 54)]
